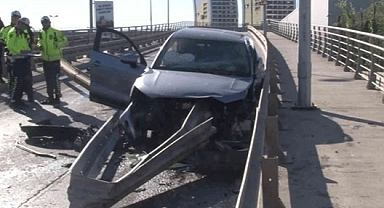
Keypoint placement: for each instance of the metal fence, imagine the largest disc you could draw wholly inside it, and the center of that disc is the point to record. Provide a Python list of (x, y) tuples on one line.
[(359, 52), (87, 35)]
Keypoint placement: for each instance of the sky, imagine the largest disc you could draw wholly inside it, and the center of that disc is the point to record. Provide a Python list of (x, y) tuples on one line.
[(74, 14)]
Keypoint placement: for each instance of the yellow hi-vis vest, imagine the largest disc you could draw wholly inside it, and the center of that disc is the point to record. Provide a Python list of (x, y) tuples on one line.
[(51, 42), (17, 41), (4, 32)]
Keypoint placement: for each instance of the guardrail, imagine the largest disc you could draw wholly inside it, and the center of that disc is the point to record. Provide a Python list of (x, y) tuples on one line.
[(359, 52), (86, 35), (261, 170)]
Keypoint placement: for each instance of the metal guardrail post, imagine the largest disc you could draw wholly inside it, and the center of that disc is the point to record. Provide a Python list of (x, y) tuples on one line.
[(373, 70), (320, 41), (347, 62), (358, 62), (291, 34), (314, 38), (338, 49), (330, 45), (270, 182), (325, 42), (287, 28)]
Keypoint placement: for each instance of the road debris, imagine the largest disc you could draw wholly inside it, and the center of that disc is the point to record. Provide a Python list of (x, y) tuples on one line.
[(67, 155), (52, 131), (140, 190), (67, 165), (78, 137), (18, 145), (178, 166), (84, 137)]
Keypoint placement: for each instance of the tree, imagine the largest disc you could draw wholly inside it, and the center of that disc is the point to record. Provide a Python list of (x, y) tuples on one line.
[(348, 17), (367, 20)]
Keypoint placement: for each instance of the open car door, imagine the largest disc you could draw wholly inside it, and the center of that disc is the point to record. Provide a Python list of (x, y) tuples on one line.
[(116, 63)]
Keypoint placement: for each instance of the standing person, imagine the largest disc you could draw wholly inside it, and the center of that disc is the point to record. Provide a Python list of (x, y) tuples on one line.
[(15, 16), (2, 45), (1, 24), (51, 42), (18, 46)]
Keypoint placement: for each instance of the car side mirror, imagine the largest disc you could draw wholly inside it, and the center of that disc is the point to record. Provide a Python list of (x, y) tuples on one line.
[(130, 59)]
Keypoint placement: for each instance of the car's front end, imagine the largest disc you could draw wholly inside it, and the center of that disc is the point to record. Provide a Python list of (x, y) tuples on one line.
[(196, 69)]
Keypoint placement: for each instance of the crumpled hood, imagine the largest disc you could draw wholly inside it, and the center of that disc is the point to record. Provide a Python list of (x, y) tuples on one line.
[(175, 84)]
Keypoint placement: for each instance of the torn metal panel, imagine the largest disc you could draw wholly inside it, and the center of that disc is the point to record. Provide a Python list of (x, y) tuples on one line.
[(86, 190)]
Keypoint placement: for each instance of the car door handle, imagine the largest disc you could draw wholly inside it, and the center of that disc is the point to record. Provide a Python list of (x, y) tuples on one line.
[(97, 63)]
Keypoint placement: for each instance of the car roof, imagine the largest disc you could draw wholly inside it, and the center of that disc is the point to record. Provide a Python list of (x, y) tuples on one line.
[(205, 33)]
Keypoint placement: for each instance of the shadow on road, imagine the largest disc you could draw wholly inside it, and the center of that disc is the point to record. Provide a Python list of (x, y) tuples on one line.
[(42, 115), (304, 131), (195, 194)]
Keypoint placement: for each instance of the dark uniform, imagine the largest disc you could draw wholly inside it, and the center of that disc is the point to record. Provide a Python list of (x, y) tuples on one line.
[(15, 16), (51, 42), (2, 45), (3, 37), (17, 42)]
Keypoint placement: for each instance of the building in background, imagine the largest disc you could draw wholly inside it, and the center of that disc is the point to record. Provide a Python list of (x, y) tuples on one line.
[(326, 12), (253, 12), (217, 13), (276, 10)]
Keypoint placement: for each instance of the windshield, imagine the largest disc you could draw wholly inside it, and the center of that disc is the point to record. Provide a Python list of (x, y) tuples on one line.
[(206, 56)]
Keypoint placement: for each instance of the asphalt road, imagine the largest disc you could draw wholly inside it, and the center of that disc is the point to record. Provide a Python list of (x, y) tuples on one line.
[(28, 180)]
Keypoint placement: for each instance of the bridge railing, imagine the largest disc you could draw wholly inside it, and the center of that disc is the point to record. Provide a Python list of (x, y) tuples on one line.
[(81, 40), (359, 52), (86, 36)]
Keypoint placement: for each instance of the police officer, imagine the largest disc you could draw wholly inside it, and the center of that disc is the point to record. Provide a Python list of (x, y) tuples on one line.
[(15, 16), (2, 45), (18, 47), (51, 42), (1, 24)]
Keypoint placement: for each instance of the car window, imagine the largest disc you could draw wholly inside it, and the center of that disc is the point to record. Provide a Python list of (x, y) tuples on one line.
[(112, 40), (206, 56)]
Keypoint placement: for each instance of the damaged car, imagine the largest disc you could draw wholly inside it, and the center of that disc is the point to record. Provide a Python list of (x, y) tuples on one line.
[(195, 64)]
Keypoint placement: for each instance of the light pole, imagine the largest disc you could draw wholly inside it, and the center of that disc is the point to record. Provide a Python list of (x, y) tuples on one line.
[(91, 14), (53, 19), (245, 11), (304, 65), (251, 12), (150, 13), (264, 3), (168, 14)]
